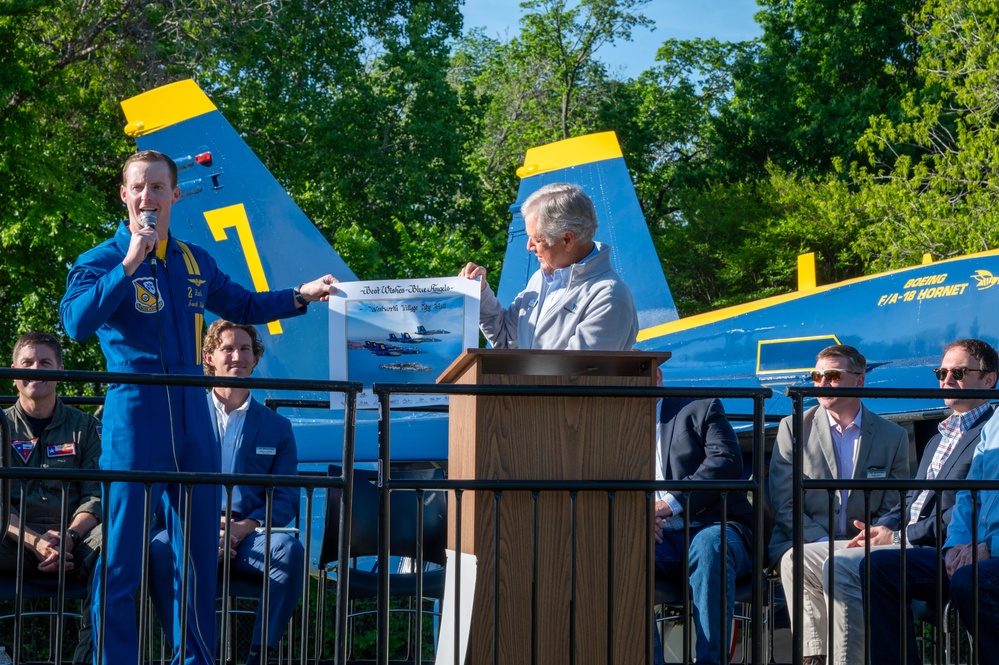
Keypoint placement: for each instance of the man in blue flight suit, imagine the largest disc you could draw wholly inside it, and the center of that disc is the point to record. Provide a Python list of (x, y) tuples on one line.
[(144, 293), (253, 440)]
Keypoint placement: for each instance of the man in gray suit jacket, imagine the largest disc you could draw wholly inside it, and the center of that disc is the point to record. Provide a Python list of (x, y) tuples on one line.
[(842, 439)]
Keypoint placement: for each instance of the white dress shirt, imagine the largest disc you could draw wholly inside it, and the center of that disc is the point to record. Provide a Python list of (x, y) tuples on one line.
[(230, 429)]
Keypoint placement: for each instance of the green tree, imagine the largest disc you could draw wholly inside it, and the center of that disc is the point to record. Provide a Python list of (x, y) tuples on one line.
[(822, 69), (61, 64), (348, 103), (934, 181), (680, 99), (350, 106)]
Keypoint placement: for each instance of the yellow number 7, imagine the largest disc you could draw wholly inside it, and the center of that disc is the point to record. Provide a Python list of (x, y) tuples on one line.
[(235, 217)]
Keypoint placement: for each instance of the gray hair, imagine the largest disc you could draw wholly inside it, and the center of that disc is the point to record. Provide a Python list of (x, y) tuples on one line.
[(561, 207)]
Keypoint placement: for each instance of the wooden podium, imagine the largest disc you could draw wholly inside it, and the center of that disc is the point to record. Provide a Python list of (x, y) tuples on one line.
[(555, 557)]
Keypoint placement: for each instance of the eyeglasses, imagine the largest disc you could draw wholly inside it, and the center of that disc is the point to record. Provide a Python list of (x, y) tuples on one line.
[(957, 372), (831, 374)]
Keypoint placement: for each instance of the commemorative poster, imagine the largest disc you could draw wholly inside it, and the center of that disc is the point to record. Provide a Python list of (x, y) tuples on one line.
[(401, 331)]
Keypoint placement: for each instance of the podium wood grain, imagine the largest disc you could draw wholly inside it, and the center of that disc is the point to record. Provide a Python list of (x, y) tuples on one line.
[(569, 573)]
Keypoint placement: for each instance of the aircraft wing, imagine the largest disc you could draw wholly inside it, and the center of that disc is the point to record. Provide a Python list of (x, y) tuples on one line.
[(900, 320)]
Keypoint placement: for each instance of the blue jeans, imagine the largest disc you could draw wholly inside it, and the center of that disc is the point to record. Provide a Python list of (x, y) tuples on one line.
[(705, 584), (921, 584), (286, 573)]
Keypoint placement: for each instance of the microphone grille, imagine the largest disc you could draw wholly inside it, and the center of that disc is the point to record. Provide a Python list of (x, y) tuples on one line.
[(147, 219)]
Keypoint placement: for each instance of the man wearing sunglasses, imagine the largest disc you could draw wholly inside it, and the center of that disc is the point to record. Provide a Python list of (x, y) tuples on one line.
[(969, 364), (842, 439)]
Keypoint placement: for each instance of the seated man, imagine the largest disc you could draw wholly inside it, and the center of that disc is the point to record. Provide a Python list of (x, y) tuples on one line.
[(923, 569), (45, 433), (694, 441), (575, 300), (967, 363), (842, 439), (253, 440)]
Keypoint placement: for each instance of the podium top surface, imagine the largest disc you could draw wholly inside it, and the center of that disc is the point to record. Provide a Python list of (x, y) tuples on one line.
[(536, 362)]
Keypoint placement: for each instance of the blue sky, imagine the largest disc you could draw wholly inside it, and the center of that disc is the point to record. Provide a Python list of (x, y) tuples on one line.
[(725, 20)]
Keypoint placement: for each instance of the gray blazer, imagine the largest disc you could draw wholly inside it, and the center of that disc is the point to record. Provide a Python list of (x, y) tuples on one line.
[(883, 452)]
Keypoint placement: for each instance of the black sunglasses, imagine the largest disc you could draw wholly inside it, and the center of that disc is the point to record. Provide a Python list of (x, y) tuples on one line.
[(957, 372), (831, 374)]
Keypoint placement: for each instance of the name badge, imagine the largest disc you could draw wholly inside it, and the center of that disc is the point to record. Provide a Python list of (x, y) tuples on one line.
[(267, 451), (876, 472), (61, 449)]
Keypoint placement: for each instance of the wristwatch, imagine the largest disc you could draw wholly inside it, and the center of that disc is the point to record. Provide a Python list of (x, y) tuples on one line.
[(76, 537), (299, 298), (897, 538)]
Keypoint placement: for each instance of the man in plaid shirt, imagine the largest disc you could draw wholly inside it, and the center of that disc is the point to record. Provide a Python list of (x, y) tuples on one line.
[(968, 364)]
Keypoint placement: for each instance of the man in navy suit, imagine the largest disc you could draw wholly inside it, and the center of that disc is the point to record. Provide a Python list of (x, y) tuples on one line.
[(694, 441), (947, 456), (969, 364), (253, 440)]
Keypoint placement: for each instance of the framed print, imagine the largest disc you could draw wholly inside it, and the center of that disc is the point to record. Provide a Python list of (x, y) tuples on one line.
[(401, 331)]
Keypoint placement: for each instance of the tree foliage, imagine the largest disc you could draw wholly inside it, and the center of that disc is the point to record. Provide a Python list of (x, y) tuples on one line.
[(864, 131), (823, 67), (347, 102), (934, 183)]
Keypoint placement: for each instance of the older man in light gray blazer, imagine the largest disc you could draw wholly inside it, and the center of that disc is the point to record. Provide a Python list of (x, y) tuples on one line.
[(575, 300), (842, 439)]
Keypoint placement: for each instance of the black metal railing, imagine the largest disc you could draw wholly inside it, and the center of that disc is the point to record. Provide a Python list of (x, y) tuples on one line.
[(310, 647), (186, 480), (753, 486), (801, 485)]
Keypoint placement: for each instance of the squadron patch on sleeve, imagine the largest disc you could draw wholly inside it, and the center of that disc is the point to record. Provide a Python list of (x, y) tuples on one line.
[(146, 298)]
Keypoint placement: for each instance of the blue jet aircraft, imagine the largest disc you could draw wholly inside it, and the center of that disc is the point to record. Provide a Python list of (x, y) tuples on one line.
[(420, 330), (409, 339), (232, 206)]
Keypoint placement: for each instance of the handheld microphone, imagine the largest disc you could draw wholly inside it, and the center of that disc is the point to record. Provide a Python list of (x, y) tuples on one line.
[(147, 219)]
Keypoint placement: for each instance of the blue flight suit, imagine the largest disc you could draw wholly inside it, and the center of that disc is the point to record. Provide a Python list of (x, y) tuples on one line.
[(265, 447), (151, 325)]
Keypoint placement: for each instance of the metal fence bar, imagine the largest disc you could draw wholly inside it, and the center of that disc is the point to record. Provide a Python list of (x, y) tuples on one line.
[(384, 532), (797, 526), (758, 545)]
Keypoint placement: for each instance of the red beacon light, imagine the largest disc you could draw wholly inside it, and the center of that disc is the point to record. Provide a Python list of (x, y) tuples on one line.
[(204, 158)]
